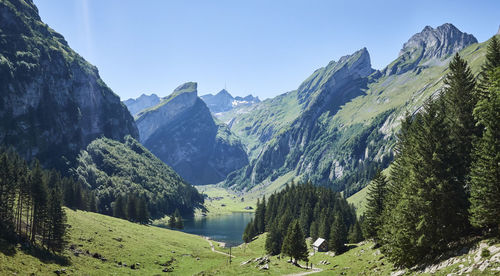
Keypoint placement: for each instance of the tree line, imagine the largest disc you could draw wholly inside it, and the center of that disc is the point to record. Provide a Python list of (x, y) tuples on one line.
[(304, 210), (31, 201), (444, 183)]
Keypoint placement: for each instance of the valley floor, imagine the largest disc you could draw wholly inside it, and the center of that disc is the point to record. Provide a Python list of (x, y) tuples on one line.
[(102, 245)]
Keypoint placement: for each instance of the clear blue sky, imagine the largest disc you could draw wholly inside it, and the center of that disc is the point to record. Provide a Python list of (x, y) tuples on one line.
[(261, 47)]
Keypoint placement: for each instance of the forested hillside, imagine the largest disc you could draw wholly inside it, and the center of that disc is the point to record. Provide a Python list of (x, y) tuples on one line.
[(121, 174), (443, 187)]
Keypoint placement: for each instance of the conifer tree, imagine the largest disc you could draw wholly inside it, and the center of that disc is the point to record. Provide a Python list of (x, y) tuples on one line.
[(460, 96), (485, 172), (248, 234), (338, 235), (39, 192), (355, 234), (7, 196), (132, 208), (57, 221), (492, 61), (119, 207), (294, 244), (375, 200), (273, 241), (142, 211), (426, 212), (313, 231)]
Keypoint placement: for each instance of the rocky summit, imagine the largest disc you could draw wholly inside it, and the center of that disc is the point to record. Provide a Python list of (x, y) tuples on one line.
[(223, 101), (181, 131), (429, 47), (52, 102)]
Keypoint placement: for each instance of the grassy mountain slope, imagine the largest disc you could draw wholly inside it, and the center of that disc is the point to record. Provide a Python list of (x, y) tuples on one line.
[(111, 168), (119, 241), (341, 147)]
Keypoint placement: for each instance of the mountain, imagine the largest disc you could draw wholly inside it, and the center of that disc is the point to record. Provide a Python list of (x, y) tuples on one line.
[(52, 102), (144, 101), (111, 168), (223, 101), (339, 126), (181, 131)]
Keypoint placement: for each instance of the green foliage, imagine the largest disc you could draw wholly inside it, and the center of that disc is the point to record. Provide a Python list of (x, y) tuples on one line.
[(111, 169), (485, 172), (338, 235), (377, 192), (294, 244), (31, 203), (312, 207)]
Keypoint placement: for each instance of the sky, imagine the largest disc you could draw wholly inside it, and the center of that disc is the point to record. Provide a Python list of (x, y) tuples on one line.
[(260, 47)]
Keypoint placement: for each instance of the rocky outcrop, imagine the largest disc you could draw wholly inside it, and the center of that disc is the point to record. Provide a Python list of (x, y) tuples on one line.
[(143, 102), (223, 101), (181, 131), (430, 44), (52, 102)]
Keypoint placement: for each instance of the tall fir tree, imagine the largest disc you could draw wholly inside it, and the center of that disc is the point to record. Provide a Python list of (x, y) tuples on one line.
[(294, 244), (485, 172), (492, 61), (119, 207), (460, 96), (273, 241), (338, 235), (375, 201), (39, 193)]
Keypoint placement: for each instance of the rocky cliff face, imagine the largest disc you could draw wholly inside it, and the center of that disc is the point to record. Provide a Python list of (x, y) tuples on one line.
[(52, 102), (181, 131), (143, 102), (340, 125), (307, 141), (223, 101), (430, 46)]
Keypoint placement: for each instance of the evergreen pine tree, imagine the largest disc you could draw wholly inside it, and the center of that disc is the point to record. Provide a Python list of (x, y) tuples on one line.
[(375, 199), (492, 61), (248, 234), (355, 234), (39, 192), (132, 208), (485, 172), (461, 97), (338, 235), (273, 241), (142, 211), (57, 219), (313, 231), (294, 244), (119, 207)]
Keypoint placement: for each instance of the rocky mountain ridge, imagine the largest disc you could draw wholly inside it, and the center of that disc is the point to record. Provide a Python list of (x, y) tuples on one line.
[(181, 131), (223, 101), (52, 102), (142, 102), (340, 123)]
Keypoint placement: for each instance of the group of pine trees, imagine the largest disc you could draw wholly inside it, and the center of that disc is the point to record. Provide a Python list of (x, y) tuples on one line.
[(300, 211), (444, 183), (132, 208), (31, 201)]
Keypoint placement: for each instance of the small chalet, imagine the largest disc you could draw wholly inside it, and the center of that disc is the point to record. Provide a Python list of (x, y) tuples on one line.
[(320, 245)]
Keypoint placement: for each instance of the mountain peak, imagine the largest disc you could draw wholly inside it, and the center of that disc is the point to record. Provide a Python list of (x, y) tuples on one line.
[(437, 42), (224, 92), (186, 87)]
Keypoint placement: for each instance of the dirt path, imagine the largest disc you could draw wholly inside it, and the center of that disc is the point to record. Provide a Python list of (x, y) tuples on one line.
[(314, 270), (216, 251)]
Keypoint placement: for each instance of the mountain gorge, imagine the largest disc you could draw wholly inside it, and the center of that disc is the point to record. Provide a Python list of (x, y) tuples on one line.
[(52, 103), (181, 131)]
